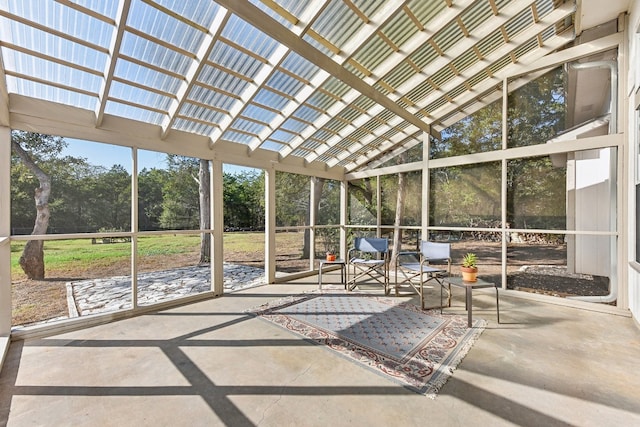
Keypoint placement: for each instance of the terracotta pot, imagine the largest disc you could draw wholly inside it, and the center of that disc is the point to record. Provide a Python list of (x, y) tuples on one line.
[(469, 274), (331, 257)]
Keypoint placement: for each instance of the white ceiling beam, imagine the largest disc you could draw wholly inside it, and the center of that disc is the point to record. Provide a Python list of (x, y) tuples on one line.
[(112, 57), (196, 66), (271, 27)]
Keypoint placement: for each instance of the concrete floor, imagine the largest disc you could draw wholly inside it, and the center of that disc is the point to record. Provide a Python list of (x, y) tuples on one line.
[(208, 364)]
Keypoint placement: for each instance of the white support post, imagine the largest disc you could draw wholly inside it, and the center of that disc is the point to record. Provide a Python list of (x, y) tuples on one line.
[(312, 222), (378, 206), (503, 191), (5, 233), (134, 227), (217, 224), (344, 186), (270, 224), (424, 230)]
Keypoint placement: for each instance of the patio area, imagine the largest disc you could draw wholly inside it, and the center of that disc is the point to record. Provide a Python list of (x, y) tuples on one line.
[(209, 363)]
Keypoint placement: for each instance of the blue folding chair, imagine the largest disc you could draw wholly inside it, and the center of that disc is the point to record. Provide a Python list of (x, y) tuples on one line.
[(432, 262), (369, 257)]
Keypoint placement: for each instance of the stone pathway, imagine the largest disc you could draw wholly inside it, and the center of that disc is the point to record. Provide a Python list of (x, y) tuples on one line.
[(114, 293)]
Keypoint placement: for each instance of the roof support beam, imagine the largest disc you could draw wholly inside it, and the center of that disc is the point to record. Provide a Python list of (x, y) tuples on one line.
[(116, 40), (194, 70), (274, 29)]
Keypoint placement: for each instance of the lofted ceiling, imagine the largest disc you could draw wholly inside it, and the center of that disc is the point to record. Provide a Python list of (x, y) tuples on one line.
[(336, 83)]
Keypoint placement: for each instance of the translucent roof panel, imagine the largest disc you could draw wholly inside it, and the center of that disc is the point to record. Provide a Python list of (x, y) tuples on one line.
[(331, 81)]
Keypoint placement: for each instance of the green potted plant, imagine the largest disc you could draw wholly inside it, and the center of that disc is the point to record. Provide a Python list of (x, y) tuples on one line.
[(469, 267)]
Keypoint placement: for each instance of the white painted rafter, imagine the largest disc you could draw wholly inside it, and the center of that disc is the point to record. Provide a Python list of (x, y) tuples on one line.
[(194, 70), (114, 47)]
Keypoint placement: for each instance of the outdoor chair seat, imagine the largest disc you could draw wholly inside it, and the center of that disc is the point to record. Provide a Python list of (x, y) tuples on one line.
[(369, 258), (418, 268)]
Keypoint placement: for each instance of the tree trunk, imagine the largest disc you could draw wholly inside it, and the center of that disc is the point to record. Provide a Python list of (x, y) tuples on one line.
[(204, 188), (397, 235), (32, 259)]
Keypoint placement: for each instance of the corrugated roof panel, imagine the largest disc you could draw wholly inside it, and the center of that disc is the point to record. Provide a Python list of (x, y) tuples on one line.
[(282, 136), (255, 112), (336, 87), (235, 60), (442, 76), (357, 71), (293, 125), (368, 7), (424, 56), (426, 11), (193, 127), (420, 92), (240, 138), (107, 8), (201, 113), (349, 114), (272, 13), (210, 97), (448, 37), (285, 83), (50, 71), (299, 66), (464, 61), (154, 54), (337, 23), (307, 114), (134, 113), (373, 53), (221, 80), (155, 23), (272, 99), (527, 47), (272, 146), (240, 124), (63, 19), (490, 43), (457, 91), (146, 76), (364, 102), (197, 11), (335, 125), (52, 45), (544, 7), (50, 93), (476, 15), (249, 37), (321, 100), (400, 74), (139, 96), (294, 7), (519, 23), (499, 65), (310, 145), (400, 29)]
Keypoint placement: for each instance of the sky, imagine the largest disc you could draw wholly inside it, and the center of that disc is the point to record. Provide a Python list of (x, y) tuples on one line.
[(108, 155)]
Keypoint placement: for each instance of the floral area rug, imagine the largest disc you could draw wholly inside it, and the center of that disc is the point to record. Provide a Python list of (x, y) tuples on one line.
[(418, 349)]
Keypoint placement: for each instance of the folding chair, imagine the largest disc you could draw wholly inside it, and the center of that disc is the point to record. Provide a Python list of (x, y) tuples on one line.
[(419, 268), (369, 258)]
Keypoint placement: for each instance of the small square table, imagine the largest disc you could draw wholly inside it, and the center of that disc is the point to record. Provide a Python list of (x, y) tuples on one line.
[(469, 287), (343, 270)]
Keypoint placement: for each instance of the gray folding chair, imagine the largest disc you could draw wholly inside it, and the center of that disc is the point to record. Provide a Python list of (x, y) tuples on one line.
[(431, 263), (369, 258)]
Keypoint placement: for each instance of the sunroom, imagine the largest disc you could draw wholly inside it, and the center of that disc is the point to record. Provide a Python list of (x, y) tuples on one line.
[(193, 145)]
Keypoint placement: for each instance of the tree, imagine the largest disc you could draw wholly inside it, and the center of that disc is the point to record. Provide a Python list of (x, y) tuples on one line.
[(29, 146)]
